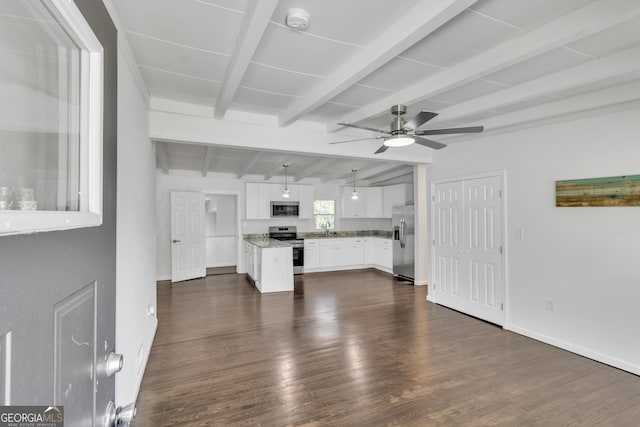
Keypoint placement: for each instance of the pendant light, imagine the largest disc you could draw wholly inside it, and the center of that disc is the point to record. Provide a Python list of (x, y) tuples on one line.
[(285, 192), (354, 194)]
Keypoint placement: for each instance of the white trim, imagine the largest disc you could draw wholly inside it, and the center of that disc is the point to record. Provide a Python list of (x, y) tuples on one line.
[(7, 369), (91, 108), (144, 364), (124, 47), (573, 348), (502, 174)]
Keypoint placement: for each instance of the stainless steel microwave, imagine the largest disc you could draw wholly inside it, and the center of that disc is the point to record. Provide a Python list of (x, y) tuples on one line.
[(285, 209)]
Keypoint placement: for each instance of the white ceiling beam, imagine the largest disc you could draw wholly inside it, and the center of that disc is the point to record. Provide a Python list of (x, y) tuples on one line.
[(343, 170), (391, 175), (250, 164), (617, 98), (583, 22), (162, 156), (206, 161), (606, 67), (318, 165), (253, 28), (424, 18), (377, 170)]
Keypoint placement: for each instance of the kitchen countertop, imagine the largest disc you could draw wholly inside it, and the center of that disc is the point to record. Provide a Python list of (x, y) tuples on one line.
[(267, 243), (264, 238), (342, 234)]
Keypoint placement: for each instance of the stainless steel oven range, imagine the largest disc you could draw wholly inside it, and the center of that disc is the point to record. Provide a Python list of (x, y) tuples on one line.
[(289, 234)]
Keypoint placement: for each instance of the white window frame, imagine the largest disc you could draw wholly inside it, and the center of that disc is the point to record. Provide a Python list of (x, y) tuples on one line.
[(90, 156)]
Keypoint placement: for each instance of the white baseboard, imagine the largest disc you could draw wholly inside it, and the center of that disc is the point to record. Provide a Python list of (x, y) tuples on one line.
[(162, 278), (420, 283), (144, 365), (573, 348)]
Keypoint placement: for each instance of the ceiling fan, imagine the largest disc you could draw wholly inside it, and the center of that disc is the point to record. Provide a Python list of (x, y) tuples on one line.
[(403, 133)]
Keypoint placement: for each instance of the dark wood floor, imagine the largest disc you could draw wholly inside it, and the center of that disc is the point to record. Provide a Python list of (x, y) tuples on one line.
[(356, 348)]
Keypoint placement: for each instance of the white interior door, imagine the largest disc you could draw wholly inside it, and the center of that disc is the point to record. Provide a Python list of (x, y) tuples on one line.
[(187, 236), (469, 248)]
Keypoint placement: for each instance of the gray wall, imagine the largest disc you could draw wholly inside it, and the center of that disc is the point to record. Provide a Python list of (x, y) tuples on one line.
[(37, 271)]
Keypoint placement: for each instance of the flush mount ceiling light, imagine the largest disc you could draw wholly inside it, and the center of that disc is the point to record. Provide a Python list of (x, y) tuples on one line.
[(354, 194), (298, 19), (285, 192), (399, 141)]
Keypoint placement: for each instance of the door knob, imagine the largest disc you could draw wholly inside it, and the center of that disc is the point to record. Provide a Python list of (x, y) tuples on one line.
[(120, 416), (175, 241), (125, 414), (112, 364)]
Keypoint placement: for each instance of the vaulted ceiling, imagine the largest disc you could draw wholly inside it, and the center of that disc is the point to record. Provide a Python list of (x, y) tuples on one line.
[(504, 64)]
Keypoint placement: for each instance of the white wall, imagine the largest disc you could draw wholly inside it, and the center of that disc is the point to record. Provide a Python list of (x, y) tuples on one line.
[(584, 260), (135, 235)]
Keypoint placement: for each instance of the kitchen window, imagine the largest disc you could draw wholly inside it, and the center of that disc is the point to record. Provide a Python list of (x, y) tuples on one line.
[(51, 80), (324, 214)]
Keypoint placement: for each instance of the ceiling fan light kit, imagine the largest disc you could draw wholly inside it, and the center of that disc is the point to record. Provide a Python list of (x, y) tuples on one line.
[(399, 141), (402, 133)]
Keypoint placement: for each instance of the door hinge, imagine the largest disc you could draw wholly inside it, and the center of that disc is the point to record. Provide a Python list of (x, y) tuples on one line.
[(499, 193), (433, 198), (434, 242), (501, 306), (500, 250)]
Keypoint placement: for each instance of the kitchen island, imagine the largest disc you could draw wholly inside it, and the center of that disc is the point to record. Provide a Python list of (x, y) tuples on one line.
[(269, 264)]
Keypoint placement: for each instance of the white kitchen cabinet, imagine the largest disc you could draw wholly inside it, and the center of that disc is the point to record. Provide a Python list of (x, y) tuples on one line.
[(398, 194), (306, 198), (311, 254), (383, 253), (353, 208), (374, 202), (257, 200), (334, 253), (356, 252), (276, 193), (368, 250), (270, 268)]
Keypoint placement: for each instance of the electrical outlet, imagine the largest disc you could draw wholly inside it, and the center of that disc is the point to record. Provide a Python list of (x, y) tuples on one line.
[(549, 306)]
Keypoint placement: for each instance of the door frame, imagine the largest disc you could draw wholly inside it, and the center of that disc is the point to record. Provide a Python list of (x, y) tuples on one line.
[(239, 239), (502, 175)]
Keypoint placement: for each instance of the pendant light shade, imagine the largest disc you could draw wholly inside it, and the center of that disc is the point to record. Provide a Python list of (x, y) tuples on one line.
[(285, 192), (354, 193)]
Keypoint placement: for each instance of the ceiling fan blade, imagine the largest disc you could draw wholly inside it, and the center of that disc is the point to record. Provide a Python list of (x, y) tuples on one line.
[(354, 140), (382, 149), (429, 143), (421, 118), (470, 129), (364, 127)]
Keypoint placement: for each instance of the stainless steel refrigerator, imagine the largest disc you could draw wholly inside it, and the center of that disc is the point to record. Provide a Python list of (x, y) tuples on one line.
[(403, 241)]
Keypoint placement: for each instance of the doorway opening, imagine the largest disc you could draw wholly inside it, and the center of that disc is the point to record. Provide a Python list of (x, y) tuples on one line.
[(221, 233)]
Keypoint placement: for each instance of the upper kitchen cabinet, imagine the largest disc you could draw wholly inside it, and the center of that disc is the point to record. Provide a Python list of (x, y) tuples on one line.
[(257, 200), (399, 194), (374, 202), (51, 83), (306, 198), (353, 208), (277, 190), (369, 203)]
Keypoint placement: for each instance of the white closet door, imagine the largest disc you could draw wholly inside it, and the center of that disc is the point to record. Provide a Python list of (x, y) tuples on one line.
[(469, 247)]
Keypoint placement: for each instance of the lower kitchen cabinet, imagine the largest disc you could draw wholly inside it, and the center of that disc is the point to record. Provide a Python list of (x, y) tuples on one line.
[(270, 268), (311, 254), (331, 254)]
